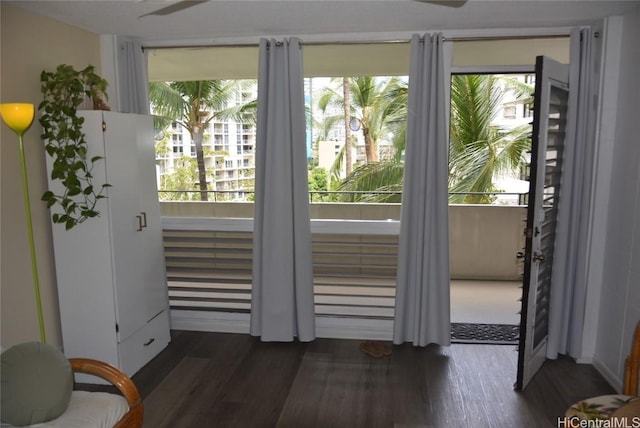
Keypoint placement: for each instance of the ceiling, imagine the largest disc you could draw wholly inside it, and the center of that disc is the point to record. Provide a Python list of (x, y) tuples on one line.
[(215, 20)]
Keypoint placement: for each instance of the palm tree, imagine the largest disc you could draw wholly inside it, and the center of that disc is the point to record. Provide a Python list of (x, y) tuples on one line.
[(478, 150), (374, 182), (346, 96), (382, 181), (369, 106), (194, 104)]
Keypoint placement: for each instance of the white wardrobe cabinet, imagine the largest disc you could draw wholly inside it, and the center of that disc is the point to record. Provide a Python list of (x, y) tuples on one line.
[(110, 269)]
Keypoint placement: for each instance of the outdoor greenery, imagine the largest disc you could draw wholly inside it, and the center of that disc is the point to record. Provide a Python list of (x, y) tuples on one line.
[(319, 182), (195, 104), (371, 108), (374, 107), (181, 184), (478, 152), (64, 91)]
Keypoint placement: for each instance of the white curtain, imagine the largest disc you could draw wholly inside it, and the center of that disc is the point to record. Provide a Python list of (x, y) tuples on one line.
[(568, 287), (422, 309), (282, 305), (133, 77)]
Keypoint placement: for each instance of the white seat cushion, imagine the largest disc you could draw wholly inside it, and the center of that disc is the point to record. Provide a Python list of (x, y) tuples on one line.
[(600, 407), (89, 410)]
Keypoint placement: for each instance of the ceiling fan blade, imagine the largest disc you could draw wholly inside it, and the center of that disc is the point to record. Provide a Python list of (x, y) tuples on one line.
[(176, 7), (450, 3)]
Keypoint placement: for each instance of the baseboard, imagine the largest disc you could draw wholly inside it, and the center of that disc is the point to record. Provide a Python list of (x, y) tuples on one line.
[(346, 328), (336, 328), (585, 360), (612, 378), (221, 322)]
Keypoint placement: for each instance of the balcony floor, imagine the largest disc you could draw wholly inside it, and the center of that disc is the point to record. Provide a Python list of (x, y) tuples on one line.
[(485, 302)]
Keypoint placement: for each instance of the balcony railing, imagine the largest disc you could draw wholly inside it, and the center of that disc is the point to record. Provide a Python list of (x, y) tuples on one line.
[(322, 196), (209, 269), (208, 248)]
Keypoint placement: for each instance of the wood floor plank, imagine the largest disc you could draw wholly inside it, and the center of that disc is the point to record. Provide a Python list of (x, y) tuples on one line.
[(197, 382), (338, 384), (165, 405), (259, 386), (181, 344), (231, 380), (411, 383)]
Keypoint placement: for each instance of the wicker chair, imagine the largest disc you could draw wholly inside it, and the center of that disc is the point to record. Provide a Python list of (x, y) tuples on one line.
[(37, 385), (133, 418), (604, 406), (632, 366)]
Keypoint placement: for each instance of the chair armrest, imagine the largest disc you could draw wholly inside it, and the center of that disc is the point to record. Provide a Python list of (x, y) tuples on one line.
[(119, 379), (632, 365)]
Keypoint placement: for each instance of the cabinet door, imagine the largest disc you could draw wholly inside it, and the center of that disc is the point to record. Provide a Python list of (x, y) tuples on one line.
[(126, 221), (84, 269), (153, 269)]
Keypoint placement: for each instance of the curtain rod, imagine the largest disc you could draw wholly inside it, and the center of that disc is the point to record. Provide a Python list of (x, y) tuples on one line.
[(367, 42)]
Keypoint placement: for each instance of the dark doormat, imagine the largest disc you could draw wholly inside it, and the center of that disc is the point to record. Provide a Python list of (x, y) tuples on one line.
[(494, 334)]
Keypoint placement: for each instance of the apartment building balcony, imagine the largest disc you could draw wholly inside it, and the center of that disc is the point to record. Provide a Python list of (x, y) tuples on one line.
[(208, 248)]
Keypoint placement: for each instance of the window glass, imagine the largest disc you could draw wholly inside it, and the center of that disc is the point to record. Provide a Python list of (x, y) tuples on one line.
[(229, 144), (212, 134)]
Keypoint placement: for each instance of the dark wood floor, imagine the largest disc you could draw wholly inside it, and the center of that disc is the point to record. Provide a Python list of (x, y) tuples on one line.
[(229, 380)]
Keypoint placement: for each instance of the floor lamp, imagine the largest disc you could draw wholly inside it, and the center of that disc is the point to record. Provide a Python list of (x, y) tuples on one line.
[(19, 117)]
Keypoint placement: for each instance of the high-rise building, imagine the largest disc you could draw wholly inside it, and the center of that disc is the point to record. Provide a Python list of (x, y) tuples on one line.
[(229, 152)]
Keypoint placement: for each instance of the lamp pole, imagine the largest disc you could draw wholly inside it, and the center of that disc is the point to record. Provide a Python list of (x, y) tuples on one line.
[(32, 247), (19, 116)]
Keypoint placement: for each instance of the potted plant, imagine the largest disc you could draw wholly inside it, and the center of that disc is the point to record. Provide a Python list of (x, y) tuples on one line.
[(65, 90)]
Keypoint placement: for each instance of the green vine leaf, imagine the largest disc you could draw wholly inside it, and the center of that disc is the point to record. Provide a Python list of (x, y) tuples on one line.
[(64, 90)]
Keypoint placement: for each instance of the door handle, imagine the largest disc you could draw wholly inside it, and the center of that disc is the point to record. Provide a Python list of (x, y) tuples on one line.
[(538, 256), (142, 221), (520, 255)]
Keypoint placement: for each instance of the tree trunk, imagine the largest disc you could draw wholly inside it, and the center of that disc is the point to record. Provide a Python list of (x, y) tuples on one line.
[(347, 125), (370, 146), (197, 137)]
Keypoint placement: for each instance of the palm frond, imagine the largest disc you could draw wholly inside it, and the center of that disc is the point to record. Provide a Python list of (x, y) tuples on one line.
[(522, 91), (336, 167), (166, 101), (372, 178)]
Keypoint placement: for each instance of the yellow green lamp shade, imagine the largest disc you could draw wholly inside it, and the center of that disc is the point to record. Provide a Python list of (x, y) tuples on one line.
[(17, 116)]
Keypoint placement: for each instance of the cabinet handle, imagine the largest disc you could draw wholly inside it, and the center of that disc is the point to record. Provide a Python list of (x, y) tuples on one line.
[(139, 229), (144, 219), (150, 341)]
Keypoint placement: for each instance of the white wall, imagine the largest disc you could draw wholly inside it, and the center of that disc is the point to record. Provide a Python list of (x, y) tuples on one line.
[(484, 240), (30, 44), (619, 309)]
